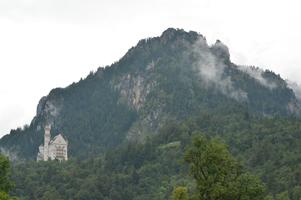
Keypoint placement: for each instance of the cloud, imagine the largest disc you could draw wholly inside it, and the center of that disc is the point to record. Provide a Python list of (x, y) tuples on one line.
[(212, 71), (211, 67), (58, 10), (12, 115), (257, 74), (296, 88)]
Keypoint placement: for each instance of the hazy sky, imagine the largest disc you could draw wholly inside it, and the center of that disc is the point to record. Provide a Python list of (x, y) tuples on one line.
[(51, 43)]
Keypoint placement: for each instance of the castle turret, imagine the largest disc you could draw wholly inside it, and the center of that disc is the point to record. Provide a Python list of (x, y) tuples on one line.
[(46, 142)]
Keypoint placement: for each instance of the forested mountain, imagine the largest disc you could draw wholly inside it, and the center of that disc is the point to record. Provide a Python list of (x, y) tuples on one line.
[(167, 78), (130, 124)]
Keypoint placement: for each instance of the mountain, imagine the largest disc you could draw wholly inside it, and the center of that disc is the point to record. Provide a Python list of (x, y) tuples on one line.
[(167, 78)]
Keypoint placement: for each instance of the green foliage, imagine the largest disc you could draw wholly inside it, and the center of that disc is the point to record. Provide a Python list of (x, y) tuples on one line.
[(282, 196), (5, 183), (296, 193), (4, 196), (180, 193), (268, 147), (218, 175)]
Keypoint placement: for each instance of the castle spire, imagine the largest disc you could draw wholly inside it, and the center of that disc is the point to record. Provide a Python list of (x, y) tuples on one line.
[(46, 142)]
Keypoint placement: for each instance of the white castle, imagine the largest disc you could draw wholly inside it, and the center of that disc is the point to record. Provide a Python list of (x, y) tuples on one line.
[(57, 148)]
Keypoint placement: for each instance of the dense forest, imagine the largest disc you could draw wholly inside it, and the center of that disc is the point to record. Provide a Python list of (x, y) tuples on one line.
[(6, 184), (173, 119), (267, 147)]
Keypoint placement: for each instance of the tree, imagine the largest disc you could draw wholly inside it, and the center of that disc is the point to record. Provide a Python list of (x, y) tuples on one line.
[(218, 174), (282, 196), (180, 193), (5, 196), (296, 193), (5, 184)]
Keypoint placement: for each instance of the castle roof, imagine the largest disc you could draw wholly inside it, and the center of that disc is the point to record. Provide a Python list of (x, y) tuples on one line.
[(59, 139)]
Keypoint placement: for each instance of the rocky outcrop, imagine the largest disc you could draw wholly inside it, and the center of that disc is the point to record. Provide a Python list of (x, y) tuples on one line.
[(221, 51), (48, 111), (134, 88)]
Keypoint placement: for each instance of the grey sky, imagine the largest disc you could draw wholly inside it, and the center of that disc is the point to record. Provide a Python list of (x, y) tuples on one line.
[(51, 43)]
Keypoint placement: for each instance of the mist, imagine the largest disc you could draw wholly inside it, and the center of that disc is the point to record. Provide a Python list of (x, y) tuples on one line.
[(212, 71), (257, 74)]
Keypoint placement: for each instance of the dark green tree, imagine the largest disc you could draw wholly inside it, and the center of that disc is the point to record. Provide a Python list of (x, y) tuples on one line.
[(180, 193), (282, 196), (219, 175), (5, 184), (296, 193)]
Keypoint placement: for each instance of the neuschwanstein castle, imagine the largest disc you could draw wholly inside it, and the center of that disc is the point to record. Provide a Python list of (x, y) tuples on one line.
[(57, 148)]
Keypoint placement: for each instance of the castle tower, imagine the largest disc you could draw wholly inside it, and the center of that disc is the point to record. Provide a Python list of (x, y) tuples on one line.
[(46, 142)]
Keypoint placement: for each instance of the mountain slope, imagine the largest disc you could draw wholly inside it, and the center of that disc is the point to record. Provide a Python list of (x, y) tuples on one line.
[(166, 78), (269, 147)]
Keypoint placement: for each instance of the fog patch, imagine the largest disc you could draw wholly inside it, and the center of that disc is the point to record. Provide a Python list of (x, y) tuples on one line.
[(257, 74), (296, 88), (212, 71)]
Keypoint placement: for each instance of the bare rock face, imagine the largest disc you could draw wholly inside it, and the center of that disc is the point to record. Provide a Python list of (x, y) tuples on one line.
[(48, 110), (10, 153), (134, 88), (132, 91), (146, 125), (41, 105)]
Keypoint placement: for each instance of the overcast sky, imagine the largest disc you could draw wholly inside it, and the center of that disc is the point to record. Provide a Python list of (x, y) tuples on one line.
[(51, 43)]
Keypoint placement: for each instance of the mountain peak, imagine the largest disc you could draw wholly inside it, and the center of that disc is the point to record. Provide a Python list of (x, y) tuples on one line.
[(221, 50), (171, 34)]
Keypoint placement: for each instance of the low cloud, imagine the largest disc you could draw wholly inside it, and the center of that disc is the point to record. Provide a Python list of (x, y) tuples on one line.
[(296, 88), (257, 74), (212, 71)]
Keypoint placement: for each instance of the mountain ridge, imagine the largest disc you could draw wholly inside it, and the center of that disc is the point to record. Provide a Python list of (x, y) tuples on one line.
[(170, 77)]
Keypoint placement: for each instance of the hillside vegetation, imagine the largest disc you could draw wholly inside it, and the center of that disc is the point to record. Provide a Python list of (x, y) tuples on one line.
[(269, 148)]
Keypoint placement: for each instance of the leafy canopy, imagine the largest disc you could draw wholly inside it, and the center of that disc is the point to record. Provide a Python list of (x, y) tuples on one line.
[(218, 174), (5, 184)]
